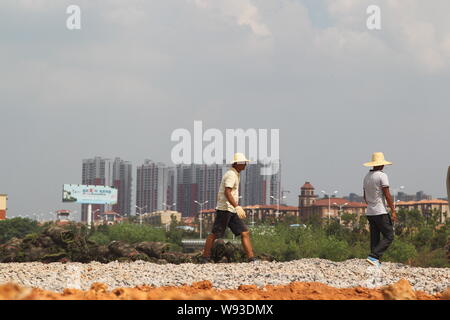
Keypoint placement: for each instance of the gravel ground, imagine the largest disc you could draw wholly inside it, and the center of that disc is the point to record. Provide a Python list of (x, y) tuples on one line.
[(350, 273)]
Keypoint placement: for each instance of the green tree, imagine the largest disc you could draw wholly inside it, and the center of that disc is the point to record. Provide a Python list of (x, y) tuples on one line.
[(348, 219), (423, 237), (17, 227)]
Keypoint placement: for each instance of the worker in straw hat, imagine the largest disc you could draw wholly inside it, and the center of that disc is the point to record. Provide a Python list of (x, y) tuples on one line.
[(228, 212), (378, 197)]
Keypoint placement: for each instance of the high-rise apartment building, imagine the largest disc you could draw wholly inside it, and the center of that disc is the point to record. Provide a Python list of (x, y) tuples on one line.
[(353, 197), (115, 173), (199, 183), (258, 187), (154, 186), (122, 181), (208, 180), (420, 195), (171, 188), (186, 189)]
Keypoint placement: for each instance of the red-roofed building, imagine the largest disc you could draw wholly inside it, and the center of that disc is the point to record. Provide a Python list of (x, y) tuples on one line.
[(108, 217), (310, 206), (307, 186), (189, 220), (62, 215), (307, 196), (336, 207)]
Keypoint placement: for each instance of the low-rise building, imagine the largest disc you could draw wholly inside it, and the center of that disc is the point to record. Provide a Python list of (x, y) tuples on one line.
[(62, 216), (426, 207), (3, 206), (311, 207), (270, 213), (162, 217), (333, 208), (108, 218)]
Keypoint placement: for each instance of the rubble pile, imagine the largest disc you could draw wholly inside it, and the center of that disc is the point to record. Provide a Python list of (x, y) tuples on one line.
[(59, 244)]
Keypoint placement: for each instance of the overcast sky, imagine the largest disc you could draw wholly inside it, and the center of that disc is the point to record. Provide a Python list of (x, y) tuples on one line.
[(137, 70)]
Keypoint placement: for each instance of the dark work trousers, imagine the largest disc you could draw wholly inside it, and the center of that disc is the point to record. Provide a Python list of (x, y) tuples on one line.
[(380, 225)]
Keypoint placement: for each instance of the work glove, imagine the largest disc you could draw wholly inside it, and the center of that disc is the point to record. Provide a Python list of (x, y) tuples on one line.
[(240, 212)]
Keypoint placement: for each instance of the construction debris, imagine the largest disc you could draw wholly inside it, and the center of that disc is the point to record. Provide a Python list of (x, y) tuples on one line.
[(71, 244)]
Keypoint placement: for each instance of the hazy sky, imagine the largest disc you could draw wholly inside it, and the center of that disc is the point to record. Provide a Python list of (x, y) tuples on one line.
[(137, 70)]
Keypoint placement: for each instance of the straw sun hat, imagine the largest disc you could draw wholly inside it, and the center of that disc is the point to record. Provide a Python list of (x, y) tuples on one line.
[(377, 160), (239, 157)]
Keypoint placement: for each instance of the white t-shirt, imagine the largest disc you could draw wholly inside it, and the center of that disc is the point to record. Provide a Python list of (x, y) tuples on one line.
[(373, 187), (229, 180)]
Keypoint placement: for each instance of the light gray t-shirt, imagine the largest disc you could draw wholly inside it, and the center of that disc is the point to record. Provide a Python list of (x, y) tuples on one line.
[(373, 187)]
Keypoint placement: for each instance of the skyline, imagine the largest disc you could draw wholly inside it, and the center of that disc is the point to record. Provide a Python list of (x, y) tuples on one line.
[(292, 200), (138, 71)]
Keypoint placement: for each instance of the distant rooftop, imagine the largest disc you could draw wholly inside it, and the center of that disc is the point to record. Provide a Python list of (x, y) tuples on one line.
[(339, 201), (307, 185), (432, 201)]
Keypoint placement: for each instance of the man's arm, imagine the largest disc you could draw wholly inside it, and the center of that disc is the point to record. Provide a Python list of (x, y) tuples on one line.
[(388, 197), (365, 196), (230, 197), (240, 212)]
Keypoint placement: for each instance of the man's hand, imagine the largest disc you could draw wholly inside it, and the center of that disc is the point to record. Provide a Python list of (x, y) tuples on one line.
[(240, 212), (394, 215), (391, 204)]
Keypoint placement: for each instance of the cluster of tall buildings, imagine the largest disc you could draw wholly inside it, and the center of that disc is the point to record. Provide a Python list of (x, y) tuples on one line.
[(115, 173), (419, 196), (400, 196), (180, 187)]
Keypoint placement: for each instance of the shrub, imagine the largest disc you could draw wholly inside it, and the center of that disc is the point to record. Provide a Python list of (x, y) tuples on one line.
[(17, 227), (401, 251), (440, 239), (269, 244), (133, 233), (333, 249), (100, 238), (423, 237), (359, 250), (431, 258), (308, 242)]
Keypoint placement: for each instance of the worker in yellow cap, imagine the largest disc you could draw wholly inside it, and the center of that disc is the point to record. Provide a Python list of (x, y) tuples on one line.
[(228, 212)]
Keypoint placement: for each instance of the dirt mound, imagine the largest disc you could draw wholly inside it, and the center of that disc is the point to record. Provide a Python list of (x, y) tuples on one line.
[(204, 291), (401, 290)]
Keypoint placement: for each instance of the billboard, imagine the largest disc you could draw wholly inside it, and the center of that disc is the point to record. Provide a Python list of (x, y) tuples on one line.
[(88, 194)]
